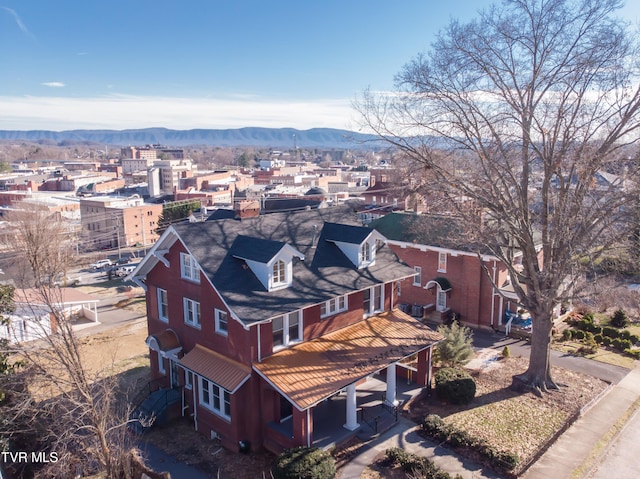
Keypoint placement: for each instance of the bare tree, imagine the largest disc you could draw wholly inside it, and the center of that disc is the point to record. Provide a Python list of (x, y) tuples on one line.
[(42, 243), (523, 111), (79, 414)]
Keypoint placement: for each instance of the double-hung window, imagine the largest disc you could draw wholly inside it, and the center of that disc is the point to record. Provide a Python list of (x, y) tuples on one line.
[(333, 306), (191, 312), (163, 305), (189, 268), (417, 279), (279, 273), (287, 329), (215, 398), (365, 252), (442, 262), (221, 322)]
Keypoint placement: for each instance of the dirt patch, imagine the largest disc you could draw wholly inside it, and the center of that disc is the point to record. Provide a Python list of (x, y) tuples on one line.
[(116, 349), (208, 455)]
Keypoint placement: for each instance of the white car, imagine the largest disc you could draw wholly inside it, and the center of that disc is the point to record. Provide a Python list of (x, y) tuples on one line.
[(125, 270), (100, 264)]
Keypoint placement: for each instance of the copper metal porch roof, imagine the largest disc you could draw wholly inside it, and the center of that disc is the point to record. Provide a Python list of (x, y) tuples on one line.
[(313, 370), (223, 371)]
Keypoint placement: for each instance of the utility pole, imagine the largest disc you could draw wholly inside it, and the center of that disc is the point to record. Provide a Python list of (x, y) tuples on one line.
[(115, 218)]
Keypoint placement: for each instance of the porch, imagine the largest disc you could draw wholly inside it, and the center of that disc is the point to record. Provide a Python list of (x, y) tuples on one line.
[(329, 416)]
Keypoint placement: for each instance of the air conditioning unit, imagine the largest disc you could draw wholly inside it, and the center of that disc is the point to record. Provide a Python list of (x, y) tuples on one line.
[(417, 311)]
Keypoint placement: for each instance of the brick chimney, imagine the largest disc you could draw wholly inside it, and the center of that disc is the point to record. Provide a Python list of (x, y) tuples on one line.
[(246, 209)]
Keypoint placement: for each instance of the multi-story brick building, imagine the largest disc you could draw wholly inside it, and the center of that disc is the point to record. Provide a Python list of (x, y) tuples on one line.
[(453, 275), (260, 322), (114, 221)]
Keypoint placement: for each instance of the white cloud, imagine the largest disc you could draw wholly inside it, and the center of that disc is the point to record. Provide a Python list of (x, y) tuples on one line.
[(53, 84), (123, 112), (18, 20)]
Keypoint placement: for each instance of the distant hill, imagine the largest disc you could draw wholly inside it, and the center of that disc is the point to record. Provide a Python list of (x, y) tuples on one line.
[(284, 138)]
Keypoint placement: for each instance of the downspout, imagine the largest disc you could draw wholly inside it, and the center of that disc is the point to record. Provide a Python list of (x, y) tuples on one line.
[(259, 349), (493, 294), (308, 429), (195, 406), (183, 401)]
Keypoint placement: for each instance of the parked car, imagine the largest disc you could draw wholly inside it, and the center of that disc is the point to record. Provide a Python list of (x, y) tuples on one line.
[(103, 263), (125, 270)]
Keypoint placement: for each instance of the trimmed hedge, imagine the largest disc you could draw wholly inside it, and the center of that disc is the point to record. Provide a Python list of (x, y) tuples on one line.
[(416, 466), (454, 386), (304, 463), (634, 353), (435, 428)]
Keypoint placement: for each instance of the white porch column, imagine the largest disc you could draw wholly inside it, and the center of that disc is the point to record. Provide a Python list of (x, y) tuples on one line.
[(391, 385), (352, 409)]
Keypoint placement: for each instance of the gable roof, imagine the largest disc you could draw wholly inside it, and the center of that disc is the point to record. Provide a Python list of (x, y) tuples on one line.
[(439, 231), (345, 233), (255, 249), (324, 274)]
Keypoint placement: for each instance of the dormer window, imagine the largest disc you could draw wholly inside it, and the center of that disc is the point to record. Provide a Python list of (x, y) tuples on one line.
[(365, 253), (279, 272), (270, 261), (357, 243)]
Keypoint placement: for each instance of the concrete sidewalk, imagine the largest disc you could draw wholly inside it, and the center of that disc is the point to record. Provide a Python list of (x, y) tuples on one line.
[(574, 447), (405, 436), (567, 454)]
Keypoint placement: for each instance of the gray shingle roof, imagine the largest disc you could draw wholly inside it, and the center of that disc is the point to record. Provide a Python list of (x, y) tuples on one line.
[(255, 249), (345, 233), (324, 274)]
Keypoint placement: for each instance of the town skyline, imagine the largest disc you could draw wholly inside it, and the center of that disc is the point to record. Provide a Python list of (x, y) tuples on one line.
[(208, 65)]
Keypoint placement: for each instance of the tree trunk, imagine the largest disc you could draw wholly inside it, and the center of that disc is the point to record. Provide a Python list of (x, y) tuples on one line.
[(537, 378)]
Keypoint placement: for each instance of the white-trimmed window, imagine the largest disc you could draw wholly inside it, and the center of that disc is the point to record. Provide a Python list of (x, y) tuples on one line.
[(189, 268), (191, 312), (287, 329), (365, 252), (373, 300), (188, 379), (221, 322), (417, 279), (215, 398), (442, 262), (279, 272), (163, 305), (399, 288), (333, 306)]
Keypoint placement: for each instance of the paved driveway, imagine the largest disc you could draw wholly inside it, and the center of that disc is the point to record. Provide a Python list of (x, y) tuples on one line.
[(606, 372)]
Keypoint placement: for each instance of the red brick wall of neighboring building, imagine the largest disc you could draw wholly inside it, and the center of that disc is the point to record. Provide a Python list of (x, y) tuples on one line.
[(471, 290)]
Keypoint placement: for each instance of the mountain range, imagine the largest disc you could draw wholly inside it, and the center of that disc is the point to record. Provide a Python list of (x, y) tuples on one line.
[(285, 138)]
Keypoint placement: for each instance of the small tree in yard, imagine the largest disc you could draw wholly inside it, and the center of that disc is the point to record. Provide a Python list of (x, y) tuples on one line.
[(515, 115), (457, 347), (620, 319)]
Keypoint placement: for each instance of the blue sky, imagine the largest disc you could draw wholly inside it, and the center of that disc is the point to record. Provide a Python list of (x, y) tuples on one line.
[(120, 64)]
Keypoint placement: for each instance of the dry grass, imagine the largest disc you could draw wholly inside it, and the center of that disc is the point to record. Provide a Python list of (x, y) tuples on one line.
[(520, 423)]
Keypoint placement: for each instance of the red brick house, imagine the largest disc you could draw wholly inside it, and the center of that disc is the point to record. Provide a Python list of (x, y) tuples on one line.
[(262, 321), (453, 276)]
